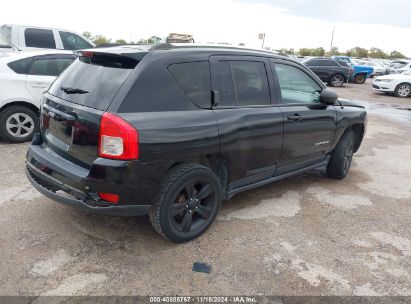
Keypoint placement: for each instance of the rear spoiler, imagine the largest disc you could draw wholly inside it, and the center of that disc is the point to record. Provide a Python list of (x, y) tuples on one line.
[(111, 52)]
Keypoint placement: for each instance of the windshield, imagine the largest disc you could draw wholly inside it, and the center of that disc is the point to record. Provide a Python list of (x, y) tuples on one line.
[(5, 35)]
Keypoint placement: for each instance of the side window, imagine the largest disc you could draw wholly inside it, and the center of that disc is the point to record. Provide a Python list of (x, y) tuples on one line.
[(330, 63), (312, 63), (296, 86), (194, 80), (49, 66), (251, 83), (226, 85), (39, 38), (73, 42), (20, 66), (243, 83)]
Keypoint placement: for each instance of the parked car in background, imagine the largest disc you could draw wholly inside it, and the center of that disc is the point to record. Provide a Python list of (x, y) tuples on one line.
[(360, 74), (14, 38), (179, 38), (329, 70), (397, 84), (379, 70), (23, 79), (401, 68), (180, 128)]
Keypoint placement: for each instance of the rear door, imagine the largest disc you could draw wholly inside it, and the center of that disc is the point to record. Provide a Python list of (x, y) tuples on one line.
[(318, 68), (43, 71), (250, 120), (309, 126), (76, 101)]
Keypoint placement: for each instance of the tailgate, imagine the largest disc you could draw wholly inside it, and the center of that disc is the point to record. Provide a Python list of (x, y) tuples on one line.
[(71, 130), (75, 102)]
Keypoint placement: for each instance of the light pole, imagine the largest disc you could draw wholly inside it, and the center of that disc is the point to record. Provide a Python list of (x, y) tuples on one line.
[(261, 36), (332, 40)]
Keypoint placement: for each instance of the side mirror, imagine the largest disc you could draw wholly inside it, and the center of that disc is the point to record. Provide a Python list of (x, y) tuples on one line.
[(328, 97)]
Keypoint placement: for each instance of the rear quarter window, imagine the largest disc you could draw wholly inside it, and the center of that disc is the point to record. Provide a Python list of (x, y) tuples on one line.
[(20, 66), (194, 80)]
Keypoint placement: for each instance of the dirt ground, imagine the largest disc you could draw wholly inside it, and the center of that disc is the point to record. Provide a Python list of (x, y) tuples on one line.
[(307, 235)]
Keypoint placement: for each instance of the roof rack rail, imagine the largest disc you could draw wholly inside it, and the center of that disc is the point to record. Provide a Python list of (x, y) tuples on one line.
[(170, 46)]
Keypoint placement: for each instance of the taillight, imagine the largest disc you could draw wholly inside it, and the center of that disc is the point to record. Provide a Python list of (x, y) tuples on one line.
[(117, 139)]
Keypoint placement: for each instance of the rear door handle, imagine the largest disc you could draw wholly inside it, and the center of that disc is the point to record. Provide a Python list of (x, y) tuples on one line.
[(294, 117)]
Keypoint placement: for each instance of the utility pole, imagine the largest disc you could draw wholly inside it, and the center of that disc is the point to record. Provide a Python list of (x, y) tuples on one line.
[(332, 40), (262, 46), (261, 36)]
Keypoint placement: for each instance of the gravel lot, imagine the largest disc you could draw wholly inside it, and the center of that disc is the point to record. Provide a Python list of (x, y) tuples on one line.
[(307, 235)]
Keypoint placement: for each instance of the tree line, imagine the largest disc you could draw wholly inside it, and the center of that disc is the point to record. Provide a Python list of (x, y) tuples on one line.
[(101, 39), (317, 52), (354, 52)]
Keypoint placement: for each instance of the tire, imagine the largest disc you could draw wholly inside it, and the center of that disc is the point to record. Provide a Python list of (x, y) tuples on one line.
[(337, 80), (341, 157), (403, 90), (188, 202), (18, 124), (360, 78)]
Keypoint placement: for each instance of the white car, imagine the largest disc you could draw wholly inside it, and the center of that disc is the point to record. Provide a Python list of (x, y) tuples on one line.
[(23, 79), (404, 68), (14, 38), (397, 84), (379, 70)]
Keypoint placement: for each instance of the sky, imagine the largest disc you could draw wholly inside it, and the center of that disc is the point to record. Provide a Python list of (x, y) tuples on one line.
[(287, 23)]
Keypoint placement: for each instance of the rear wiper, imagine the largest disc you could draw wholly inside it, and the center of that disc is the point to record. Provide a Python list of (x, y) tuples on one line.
[(73, 90)]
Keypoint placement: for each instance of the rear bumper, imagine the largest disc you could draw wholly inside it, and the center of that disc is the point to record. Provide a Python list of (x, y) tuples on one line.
[(70, 184), (44, 189)]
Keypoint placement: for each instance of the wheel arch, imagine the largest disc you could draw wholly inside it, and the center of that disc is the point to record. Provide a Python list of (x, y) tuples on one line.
[(217, 163), (358, 129), (26, 104)]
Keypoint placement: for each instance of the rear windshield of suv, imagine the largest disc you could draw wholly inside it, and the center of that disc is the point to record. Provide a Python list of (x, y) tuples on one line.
[(93, 81)]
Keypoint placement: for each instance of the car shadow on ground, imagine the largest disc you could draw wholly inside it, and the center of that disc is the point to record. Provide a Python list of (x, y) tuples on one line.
[(116, 232)]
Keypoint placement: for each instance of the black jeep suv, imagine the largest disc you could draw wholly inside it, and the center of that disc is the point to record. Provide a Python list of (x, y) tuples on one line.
[(173, 130), (329, 70)]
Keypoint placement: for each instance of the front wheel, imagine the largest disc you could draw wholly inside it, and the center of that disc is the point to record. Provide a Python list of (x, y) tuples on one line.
[(403, 90), (337, 80), (187, 204), (360, 78), (341, 157), (18, 124)]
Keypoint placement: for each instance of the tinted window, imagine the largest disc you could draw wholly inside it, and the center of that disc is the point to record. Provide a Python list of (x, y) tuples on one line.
[(313, 62), (49, 66), (243, 83), (296, 86), (100, 75), (194, 79), (225, 80), (330, 63), (20, 66), (73, 42), (251, 83), (39, 38)]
